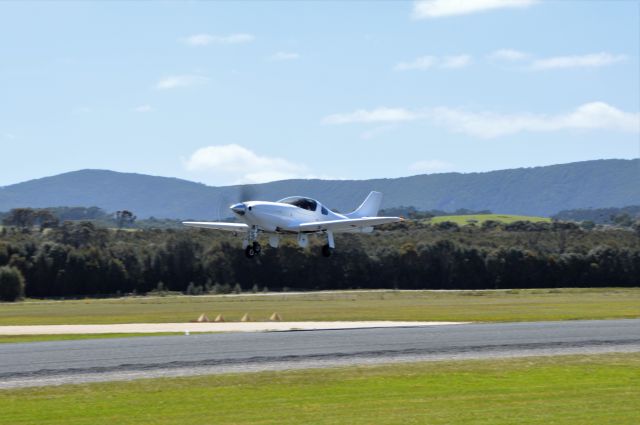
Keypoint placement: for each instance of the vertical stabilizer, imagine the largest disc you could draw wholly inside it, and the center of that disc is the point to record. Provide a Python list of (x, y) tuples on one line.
[(369, 207)]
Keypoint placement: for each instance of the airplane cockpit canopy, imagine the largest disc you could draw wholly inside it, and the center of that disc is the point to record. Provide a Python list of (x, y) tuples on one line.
[(298, 201)]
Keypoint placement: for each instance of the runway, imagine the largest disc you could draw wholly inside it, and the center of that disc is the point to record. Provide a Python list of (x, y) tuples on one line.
[(59, 362)]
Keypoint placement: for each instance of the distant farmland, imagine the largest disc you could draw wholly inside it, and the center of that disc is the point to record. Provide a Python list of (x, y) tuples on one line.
[(462, 220)]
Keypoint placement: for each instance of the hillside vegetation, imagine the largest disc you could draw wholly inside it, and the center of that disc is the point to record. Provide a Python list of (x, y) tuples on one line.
[(601, 215), (538, 191)]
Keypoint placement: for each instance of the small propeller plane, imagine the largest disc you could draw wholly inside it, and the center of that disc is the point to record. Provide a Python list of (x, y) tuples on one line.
[(297, 215)]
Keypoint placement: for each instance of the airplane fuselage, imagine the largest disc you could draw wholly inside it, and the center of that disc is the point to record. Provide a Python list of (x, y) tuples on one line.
[(279, 217)]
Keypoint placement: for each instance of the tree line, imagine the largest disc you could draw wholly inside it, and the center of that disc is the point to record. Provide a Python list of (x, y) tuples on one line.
[(79, 259), (52, 217), (623, 217)]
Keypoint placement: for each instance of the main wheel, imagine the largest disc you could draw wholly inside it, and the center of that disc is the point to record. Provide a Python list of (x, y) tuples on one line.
[(249, 252), (326, 250), (257, 248)]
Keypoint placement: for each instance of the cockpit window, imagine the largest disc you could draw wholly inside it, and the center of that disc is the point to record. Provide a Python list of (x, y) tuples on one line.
[(304, 203), (324, 211)]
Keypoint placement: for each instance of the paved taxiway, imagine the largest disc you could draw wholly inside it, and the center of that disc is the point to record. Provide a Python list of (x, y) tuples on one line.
[(46, 363), (205, 327)]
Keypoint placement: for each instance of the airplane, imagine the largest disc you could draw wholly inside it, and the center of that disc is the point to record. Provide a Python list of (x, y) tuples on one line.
[(297, 215)]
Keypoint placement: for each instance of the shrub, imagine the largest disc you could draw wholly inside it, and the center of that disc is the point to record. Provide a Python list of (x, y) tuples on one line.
[(447, 225), (588, 225), (11, 284)]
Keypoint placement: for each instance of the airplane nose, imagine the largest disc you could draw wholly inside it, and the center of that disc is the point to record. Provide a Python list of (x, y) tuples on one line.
[(239, 209)]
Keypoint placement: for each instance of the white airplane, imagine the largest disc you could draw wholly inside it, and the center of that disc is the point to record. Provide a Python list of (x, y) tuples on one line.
[(300, 216)]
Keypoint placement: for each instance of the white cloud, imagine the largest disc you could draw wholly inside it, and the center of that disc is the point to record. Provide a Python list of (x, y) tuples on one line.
[(284, 56), (459, 61), (175, 81), (206, 39), (421, 63), (430, 166), (486, 125), (143, 108), (237, 164), (590, 60), (9, 136), (508, 55), (379, 115), (424, 9), (427, 62)]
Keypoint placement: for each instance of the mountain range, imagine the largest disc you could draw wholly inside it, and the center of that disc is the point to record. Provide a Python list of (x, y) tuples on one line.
[(529, 191)]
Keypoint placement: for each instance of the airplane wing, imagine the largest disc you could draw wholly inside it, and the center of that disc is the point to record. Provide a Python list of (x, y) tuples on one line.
[(230, 227), (346, 224)]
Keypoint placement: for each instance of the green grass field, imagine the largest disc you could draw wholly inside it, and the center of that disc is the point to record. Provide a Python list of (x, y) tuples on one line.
[(478, 219), (485, 306), (602, 389)]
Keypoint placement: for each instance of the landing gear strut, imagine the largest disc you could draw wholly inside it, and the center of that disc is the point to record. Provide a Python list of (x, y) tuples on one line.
[(328, 248), (250, 244)]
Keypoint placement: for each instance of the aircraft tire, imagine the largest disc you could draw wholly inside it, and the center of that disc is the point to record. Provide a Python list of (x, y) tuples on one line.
[(257, 248), (249, 252), (326, 250)]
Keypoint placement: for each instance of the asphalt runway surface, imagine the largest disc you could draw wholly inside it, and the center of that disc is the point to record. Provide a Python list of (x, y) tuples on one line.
[(60, 362)]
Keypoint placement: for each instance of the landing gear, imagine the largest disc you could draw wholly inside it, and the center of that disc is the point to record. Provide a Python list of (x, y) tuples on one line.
[(326, 250), (250, 244), (252, 250)]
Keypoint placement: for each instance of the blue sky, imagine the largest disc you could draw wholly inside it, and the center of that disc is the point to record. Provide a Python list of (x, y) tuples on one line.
[(228, 92)]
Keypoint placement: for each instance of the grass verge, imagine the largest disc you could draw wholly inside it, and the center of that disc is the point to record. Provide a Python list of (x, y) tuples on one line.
[(600, 389), (482, 306)]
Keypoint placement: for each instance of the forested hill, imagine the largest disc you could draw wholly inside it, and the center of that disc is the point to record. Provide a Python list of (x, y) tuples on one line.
[(528, 191)]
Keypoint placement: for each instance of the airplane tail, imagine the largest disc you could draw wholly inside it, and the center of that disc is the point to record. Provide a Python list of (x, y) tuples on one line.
[(369, 208)]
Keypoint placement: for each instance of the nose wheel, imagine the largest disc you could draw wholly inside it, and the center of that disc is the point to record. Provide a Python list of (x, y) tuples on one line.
[(252, 250)]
